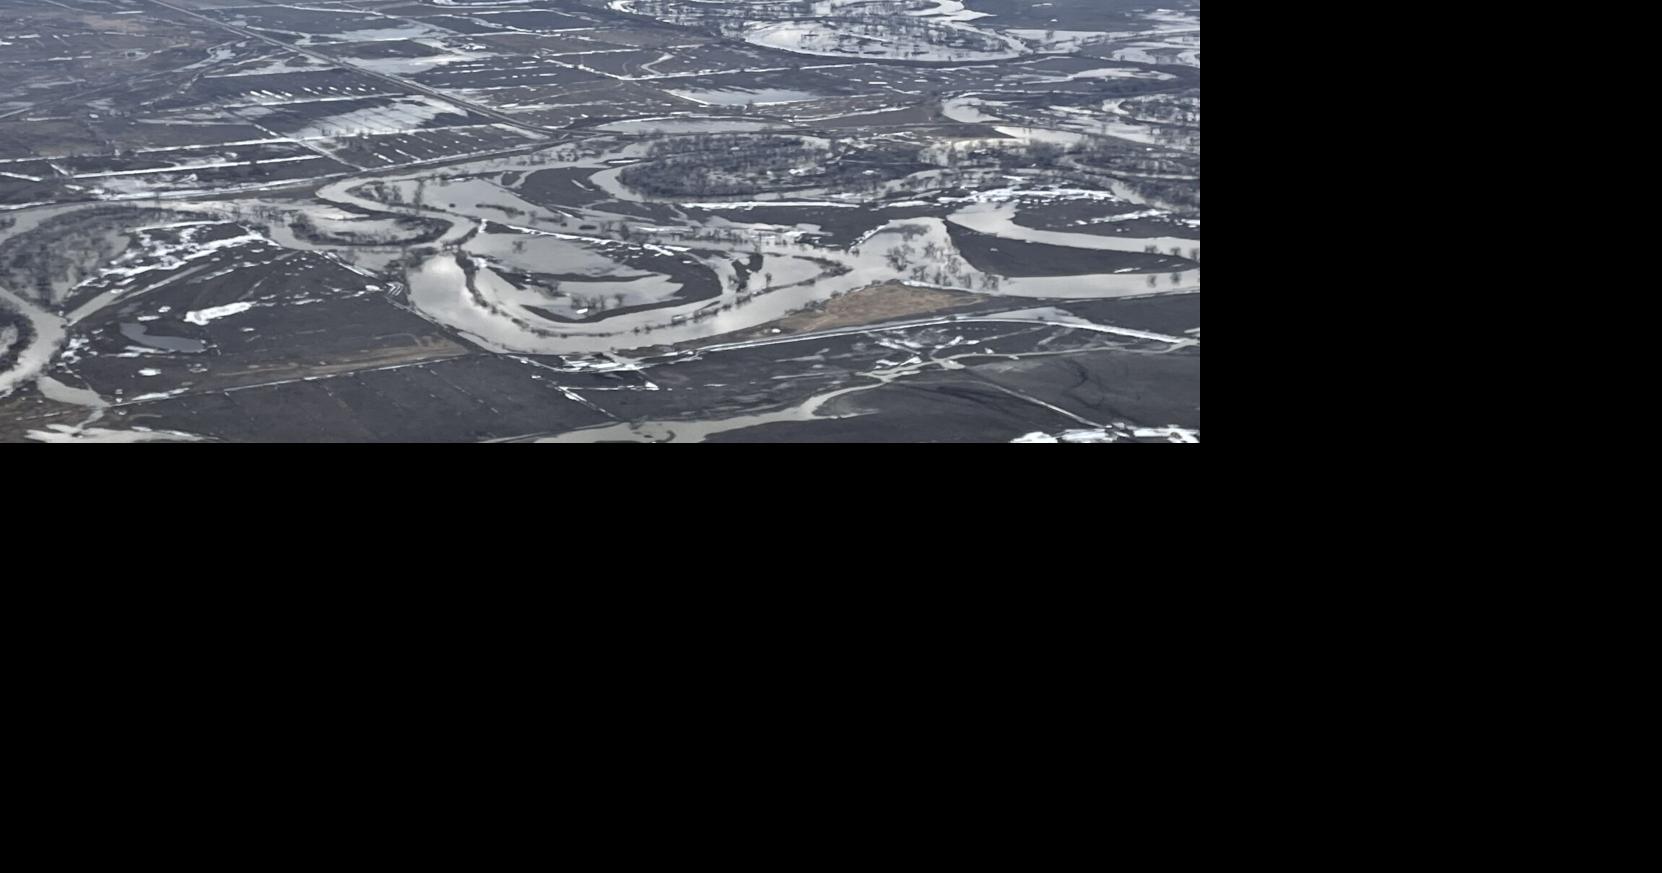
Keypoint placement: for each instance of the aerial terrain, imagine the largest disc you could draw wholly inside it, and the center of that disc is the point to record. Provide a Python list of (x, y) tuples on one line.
[(600, 221)]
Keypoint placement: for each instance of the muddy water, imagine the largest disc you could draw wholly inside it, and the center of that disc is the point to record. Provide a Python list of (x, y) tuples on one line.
[(998, 219), (741, 97), (34, 358), (138, 334), (50, 330), (29, 219), (52, 389), (438, 285), (699, 431), (439, 289)]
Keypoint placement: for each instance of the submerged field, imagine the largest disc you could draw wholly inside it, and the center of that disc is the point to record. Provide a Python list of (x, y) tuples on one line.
[(565, 220)]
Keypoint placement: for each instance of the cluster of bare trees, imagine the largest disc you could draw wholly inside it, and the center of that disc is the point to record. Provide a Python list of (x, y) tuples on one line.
[(850, 23), (727, 165), (563, 155), (1193, 253), (1164, 109), (1167, 177), (914, 35), (597, 303), (64, 251), (939, 265), (16, 333), (712, 165), (395, 232), (385, 192), (700, 11)]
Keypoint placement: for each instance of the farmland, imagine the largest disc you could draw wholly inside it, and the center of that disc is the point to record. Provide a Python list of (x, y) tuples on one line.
[(599, 220)]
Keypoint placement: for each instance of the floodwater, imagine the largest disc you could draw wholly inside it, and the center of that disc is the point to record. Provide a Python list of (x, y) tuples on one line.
[(998, 219), (742, 97), (438, 287), (699, 431), (139, 334), (33, 359), (495, 312)]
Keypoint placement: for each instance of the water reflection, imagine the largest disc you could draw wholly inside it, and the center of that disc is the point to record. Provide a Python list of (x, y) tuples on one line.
[(139, 333)]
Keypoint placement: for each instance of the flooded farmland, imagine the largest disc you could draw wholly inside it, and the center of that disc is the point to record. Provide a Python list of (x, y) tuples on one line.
[(573, 221)]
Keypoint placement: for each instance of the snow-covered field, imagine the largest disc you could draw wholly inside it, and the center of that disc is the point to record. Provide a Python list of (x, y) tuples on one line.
[(846, 40), (390, 115)]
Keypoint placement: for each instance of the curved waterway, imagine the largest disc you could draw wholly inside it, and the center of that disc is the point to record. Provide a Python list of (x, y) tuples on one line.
[(439, 286), (34, 358), (999, 219)]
